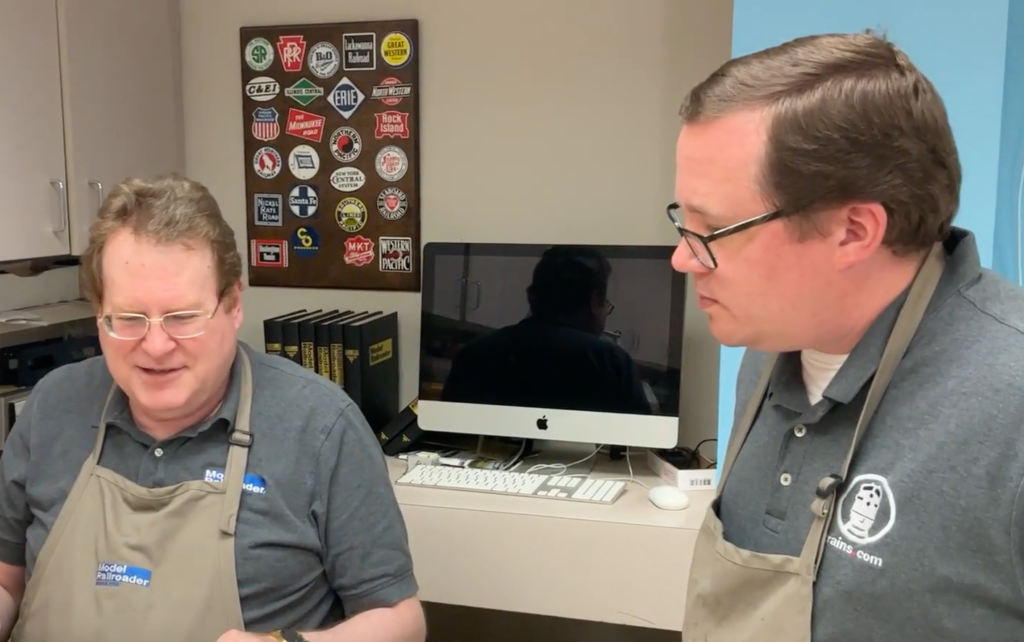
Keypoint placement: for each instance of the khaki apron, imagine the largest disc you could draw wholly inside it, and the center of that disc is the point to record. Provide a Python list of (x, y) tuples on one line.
[(125, 563), (737, 595)]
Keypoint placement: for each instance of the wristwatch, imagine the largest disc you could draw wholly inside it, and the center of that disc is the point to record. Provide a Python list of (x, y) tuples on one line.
[(288, 635)]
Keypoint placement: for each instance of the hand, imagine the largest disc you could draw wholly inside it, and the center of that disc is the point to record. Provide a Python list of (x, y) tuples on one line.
[(242, 636)]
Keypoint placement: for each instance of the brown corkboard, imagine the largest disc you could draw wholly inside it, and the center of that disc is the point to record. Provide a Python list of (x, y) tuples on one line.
[(331, 125)]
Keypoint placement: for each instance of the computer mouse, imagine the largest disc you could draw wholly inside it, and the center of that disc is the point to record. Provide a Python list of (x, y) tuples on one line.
[(668, 497)]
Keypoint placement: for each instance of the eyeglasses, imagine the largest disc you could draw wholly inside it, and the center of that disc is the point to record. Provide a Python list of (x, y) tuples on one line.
[(700, 244), (185, 324)]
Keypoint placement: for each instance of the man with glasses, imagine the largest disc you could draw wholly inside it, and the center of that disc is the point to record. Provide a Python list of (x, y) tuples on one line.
[(183, 486), (872, 488)]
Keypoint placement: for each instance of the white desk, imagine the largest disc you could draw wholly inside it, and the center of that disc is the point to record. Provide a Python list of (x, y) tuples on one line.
[(625, 563)]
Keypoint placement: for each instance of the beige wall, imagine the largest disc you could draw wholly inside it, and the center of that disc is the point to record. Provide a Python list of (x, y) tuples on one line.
[(542, 121)]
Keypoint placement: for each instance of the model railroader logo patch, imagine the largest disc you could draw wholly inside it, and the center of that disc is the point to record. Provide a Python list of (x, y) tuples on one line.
[(395, 254), (304, 124), (360, 51), (391, 91)]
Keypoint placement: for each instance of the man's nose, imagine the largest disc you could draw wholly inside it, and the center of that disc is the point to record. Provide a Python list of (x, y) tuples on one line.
[(157, 342), (683, 260)]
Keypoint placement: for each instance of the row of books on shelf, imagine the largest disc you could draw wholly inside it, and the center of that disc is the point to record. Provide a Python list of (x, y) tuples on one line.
[(356, 349)]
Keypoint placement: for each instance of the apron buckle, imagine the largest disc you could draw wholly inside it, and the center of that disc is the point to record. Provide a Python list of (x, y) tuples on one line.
[(240, 437), (828, 485)]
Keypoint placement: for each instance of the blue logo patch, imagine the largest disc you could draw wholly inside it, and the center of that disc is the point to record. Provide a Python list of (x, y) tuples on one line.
[(252, 483), (303, 200), (266, 210), (305, 241), (346, 97), (113, 574)]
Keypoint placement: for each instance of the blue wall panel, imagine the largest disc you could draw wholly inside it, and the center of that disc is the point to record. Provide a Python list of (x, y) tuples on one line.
[(962, 47)]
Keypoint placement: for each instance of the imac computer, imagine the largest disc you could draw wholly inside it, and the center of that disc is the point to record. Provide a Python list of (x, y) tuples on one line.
[(555, 343)]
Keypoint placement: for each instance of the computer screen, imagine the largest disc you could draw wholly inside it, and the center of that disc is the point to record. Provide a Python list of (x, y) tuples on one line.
[(552, 342)]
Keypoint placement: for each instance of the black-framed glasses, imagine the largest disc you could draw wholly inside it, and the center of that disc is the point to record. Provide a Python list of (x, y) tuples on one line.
[(700, 244), (185, 324)]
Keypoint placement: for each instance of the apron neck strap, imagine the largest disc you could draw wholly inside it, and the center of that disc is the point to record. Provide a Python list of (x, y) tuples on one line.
[(239, 441)]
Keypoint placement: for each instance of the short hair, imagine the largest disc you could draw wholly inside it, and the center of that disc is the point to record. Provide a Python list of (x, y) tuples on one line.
[(851, 119), (566, 279), (168, 210)]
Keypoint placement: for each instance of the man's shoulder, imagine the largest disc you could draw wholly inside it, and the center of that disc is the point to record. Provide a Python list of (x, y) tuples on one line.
[(75, 385), (273, 374), (996, 298), (286, 394)]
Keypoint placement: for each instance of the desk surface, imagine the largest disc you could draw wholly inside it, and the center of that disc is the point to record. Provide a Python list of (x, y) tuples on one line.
[(624, 563), (633, 506)]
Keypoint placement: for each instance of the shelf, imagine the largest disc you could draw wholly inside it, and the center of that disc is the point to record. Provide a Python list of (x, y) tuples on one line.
[(68, 318)]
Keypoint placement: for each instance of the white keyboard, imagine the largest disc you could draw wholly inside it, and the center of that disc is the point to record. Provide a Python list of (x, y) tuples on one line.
[(503, 482)]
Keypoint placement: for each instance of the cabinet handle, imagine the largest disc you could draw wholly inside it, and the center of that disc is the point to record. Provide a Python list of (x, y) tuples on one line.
[(479, 294), (98, 186), (59, 185)]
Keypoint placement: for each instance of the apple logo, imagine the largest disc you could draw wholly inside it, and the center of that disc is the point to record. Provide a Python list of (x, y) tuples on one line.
[(542, 423)]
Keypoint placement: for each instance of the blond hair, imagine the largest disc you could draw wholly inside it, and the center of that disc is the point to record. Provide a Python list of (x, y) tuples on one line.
[(851, 119), (168, 210)]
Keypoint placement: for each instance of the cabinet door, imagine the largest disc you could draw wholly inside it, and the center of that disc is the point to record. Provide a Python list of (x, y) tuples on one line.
[(122, 98), (32, 176), (496, 294)]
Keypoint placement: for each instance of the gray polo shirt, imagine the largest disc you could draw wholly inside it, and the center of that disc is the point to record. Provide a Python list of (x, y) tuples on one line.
[(927, 542), (319, 531)]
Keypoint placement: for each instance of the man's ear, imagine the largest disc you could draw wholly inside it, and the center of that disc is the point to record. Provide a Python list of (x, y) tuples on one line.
[(860, 230)]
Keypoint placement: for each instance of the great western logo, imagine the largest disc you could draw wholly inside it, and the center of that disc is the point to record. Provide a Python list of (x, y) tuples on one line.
[(252, 483), (113, 574)]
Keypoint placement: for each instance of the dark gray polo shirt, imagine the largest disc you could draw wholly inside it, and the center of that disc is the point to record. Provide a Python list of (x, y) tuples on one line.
[(319, 530), (927, 542)]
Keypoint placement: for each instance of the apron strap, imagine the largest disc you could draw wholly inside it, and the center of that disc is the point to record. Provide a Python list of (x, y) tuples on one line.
[(239, 441), (742, 429), (907, 323)]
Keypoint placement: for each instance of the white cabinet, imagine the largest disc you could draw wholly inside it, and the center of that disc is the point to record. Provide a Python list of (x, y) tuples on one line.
[(33, 181), (94, 97)]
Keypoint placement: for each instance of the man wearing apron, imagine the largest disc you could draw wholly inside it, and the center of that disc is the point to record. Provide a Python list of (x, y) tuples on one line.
[(183, 486), (872, 488)]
